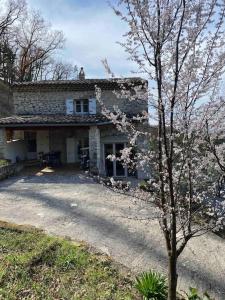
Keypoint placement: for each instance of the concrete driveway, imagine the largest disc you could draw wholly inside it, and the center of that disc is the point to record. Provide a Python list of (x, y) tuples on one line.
[(70, 204)]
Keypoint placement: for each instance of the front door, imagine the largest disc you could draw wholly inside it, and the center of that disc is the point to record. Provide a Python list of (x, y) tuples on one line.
[(114, 168)]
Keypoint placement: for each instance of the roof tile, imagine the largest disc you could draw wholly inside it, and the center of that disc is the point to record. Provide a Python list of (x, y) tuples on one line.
[(44, 120)]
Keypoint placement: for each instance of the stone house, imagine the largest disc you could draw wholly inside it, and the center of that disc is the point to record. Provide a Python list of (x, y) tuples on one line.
[(64, 116)]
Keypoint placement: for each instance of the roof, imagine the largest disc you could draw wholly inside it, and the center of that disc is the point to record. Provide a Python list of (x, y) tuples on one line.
[(86, 84), (53, 120)]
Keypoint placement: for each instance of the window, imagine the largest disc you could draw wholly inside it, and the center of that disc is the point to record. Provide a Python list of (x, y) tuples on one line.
[(78, 106), (81, 106)]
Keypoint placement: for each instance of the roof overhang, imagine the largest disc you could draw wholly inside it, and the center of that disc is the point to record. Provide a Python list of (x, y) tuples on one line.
[(80, 85), (54, 125), (27, 121)]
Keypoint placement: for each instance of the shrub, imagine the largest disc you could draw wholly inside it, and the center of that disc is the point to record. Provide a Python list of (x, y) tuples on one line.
[(145, 186), (152, 285), (194, 295), (3, 162)]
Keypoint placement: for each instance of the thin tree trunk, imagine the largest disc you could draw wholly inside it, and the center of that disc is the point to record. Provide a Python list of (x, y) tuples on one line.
[(172, 276)]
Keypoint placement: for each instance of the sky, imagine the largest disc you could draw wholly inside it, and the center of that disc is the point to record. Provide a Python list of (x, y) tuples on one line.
[(92, 31)]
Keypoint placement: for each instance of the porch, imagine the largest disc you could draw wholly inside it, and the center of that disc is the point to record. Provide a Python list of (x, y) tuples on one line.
[(75, 139), (32, 144), (78, 147)]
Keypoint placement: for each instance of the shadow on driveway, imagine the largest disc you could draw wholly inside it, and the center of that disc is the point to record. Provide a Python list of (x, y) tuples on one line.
[(90, 215)]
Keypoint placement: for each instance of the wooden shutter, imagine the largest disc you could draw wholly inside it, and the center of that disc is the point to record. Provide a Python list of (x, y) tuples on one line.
[(69, 106), (92, 106)]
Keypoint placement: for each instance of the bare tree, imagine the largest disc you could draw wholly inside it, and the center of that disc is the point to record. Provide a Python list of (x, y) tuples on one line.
[(179, 47), (36, 43), (63, 71), (51, 69), (11, 13), (28, 46)]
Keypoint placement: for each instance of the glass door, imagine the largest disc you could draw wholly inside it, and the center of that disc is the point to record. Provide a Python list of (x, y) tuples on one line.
[(114, 168), (120, 170), (109, 165)]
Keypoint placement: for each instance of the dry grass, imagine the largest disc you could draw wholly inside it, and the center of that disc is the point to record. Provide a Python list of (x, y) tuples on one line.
[(34, 265)]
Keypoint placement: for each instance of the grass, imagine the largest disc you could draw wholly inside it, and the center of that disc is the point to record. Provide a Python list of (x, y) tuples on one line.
[(34, 265)]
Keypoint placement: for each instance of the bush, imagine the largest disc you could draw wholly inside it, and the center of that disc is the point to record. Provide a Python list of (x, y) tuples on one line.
[(3, 162), (145, 186), (152, 285), (194, 295)]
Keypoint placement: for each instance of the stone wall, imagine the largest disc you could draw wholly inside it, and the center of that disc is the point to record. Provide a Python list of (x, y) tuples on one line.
[(2, 143), (53, 102), (109, 134), (6, 103), (10, 170), (94, 149)]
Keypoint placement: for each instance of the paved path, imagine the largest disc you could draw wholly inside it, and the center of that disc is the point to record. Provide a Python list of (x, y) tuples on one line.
[(72, 205)]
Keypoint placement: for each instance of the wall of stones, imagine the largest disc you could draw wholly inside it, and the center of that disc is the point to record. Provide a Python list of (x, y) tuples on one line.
[(10, 170), (38, 101), (94, 149), (2, 143), (6, 102)]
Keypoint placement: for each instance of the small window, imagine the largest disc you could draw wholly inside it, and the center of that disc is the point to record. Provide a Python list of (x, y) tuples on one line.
[(82, 106)]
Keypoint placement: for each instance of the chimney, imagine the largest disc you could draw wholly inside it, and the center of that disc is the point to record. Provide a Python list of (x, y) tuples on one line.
[(81, 74)]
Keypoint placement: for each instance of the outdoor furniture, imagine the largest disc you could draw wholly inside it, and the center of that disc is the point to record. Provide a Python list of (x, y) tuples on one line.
[(42, 159), (52, 159), (84, 158)]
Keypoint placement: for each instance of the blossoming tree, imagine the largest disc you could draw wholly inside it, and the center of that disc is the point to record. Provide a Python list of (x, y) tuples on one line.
[(179, 46)]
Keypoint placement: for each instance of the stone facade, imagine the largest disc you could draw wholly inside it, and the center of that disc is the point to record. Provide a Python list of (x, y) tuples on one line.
[(94, 148), (10, 170), (6, 103), (54, 102), (2, 142), (52, 98)]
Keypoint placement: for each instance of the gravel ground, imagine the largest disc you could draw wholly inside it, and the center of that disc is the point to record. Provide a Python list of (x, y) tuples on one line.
[(70, 204)]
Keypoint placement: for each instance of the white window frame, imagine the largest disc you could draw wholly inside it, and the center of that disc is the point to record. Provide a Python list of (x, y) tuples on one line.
[(82, 112)]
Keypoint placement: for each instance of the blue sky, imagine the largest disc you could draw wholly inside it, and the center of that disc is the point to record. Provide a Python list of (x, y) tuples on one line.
[(91, 30)]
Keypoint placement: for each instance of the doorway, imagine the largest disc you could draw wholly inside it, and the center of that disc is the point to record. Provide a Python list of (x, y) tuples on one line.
[(31, 141), (114, 168)]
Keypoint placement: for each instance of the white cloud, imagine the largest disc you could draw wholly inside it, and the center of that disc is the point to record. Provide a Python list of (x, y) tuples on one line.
[(91, 31)]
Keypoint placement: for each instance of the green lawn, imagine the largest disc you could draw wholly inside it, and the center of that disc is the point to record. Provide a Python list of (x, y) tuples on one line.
[(34, 265)]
